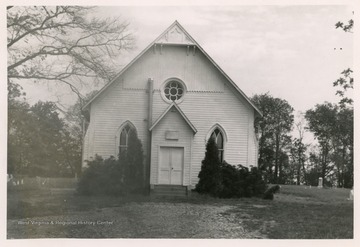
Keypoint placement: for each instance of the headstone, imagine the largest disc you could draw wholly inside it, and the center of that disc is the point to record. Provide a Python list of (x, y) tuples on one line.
[(351, 196), (320, 185)]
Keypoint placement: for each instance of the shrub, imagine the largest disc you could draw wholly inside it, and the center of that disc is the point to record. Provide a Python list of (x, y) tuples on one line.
[(210, 173), (231, 181), (255, 182), (101, 177), (238, 181), (227, 181), (115, 176), (269, 193), (133, 165)]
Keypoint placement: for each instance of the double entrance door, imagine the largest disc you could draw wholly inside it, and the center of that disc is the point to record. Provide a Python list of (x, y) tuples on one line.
[(171, 165)]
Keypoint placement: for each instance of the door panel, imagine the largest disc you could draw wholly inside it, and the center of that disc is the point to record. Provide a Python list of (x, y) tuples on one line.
[(171, 165), (164, 176), (177, 156)]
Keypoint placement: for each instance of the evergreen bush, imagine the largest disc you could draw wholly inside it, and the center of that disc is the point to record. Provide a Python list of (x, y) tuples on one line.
[(132, 162), (115, 176), (101, 177), (210, 173), (225, 180)]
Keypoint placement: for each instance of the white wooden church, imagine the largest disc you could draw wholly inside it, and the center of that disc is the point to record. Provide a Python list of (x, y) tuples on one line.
[(174, 97)]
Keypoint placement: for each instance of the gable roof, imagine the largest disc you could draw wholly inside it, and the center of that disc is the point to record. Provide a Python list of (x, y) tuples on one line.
[(181, 113), (175, 34)]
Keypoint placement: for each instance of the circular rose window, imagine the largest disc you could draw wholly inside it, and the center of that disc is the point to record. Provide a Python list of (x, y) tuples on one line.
[(174, 90)]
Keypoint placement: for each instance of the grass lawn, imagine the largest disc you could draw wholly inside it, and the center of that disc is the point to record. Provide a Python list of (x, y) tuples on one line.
[(297, 212), (300, 212)]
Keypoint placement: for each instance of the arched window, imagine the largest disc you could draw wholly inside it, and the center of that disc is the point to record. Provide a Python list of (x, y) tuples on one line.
[(218, 136), (125, 134)]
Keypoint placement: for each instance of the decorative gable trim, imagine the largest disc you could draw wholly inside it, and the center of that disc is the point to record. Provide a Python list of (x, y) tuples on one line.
[(186, 37), (175, 34), (181, 113)]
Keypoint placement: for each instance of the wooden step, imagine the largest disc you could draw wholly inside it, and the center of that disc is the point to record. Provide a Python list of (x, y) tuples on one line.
[(169, 190)]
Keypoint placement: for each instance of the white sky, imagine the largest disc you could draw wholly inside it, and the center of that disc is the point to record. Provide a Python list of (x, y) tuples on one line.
[(288, 51), (285, 50)]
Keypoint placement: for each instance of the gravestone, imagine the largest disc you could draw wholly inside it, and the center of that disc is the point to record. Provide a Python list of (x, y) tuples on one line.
[(320, 185), (351, 196)]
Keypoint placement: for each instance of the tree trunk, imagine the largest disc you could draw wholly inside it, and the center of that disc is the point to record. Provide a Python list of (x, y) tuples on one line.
[(298, 173), (324, 163), (277, 144)]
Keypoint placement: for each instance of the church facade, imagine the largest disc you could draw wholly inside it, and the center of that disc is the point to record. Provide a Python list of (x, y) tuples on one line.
[(174, 97)]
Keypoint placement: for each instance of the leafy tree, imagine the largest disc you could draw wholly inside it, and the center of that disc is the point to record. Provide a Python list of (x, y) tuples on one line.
[(313, 171), (346, 81), (62, 44), (273, 129), (333, 128), (346, 27), (39, 143), (210, 173), (342, 142), (321, 121), (18, 136)]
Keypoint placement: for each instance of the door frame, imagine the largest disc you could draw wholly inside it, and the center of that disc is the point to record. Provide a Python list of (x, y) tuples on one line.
[(183, 163)]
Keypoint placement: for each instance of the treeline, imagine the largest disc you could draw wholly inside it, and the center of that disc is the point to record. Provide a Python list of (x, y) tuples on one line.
[(40, 142), (288, 160)]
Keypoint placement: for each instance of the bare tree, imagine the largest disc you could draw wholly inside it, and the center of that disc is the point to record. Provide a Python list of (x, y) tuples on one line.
[(62, 44), (298, 147)]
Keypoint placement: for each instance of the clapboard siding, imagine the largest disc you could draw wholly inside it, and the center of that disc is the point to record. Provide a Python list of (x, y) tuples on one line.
[(227, 111), (109, 112), (210, 99), (172, 121), (206, 109), (197, 71)]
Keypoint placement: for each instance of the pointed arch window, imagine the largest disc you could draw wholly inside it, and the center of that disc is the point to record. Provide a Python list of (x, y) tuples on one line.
[(125, 137), (218, 136)]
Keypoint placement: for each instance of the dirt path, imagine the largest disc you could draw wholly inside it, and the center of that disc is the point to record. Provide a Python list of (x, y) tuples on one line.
[(138, 220)]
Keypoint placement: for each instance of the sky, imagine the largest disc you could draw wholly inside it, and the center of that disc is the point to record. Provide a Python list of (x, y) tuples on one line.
[(291, 52)]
